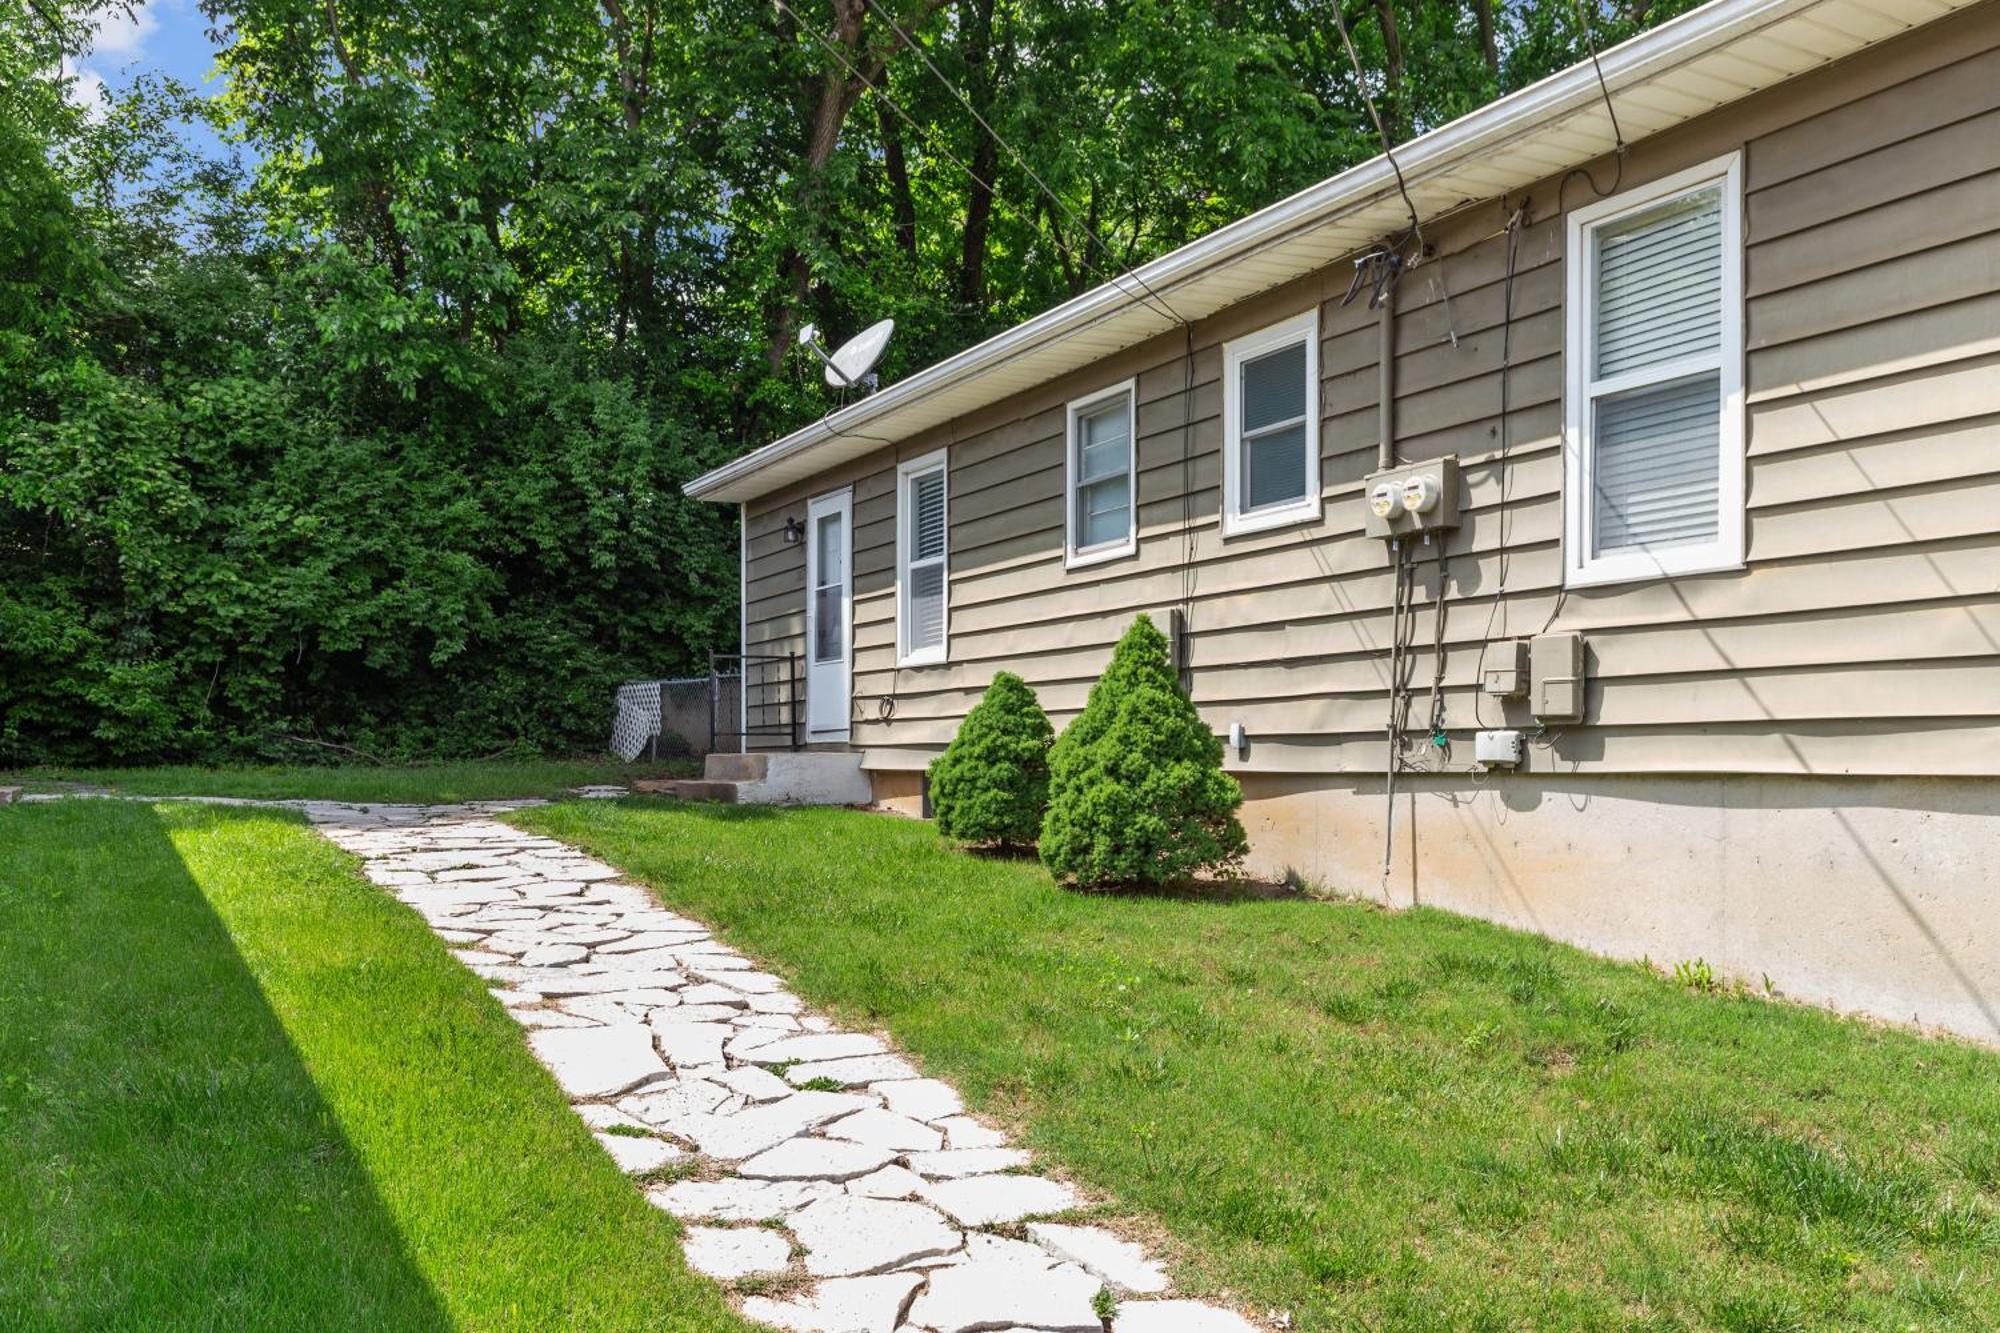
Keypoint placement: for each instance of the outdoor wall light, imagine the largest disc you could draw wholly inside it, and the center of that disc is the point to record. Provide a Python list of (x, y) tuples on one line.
[(795, 532)]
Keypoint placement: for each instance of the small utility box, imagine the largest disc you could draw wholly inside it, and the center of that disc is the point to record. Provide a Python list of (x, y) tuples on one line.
[(1556, 670), (1497, 749), (1506, 672), (1412, 499)]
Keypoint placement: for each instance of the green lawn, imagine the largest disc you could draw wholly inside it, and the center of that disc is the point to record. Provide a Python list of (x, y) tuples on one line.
[(1375, 1120), (467, 781), (242, 1089)]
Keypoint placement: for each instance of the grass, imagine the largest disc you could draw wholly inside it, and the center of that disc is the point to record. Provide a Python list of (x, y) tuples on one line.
[(242, 1089), (1376, 1120), (484, 780)]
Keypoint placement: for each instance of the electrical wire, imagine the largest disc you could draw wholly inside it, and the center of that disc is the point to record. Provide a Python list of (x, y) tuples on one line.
[(1617, 134), (1090, 233), (1368, 100), (1515, 221)]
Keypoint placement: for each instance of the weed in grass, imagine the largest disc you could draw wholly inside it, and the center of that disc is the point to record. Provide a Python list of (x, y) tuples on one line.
[(1978, 1164), (1696, 975), (1761, 1312), (1340, 1263), (629, 1131), (1618, 1027), (821, 1084), (668, 1173), (1944, 1297), (1346, 1007)]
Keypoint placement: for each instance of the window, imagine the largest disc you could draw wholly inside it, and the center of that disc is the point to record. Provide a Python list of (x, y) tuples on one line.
[(1653, 410), (1270, 405), (920, 559), (1101, 496)]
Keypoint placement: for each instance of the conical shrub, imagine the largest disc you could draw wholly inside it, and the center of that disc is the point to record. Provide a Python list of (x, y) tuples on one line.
[(1137, 794), (992, 782)]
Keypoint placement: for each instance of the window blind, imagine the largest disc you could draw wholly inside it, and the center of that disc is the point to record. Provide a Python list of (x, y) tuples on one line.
[(1657, 460), (924, 574), (1659, 286), (1103, 476), (1654, 388)]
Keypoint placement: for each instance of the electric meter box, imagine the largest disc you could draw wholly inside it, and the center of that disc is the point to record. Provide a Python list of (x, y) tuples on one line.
[(1556, 671), (1411, 499), (1506, 673)]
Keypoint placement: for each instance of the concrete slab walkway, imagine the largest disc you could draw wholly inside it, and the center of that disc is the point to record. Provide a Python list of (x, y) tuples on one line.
[(814, 1167)]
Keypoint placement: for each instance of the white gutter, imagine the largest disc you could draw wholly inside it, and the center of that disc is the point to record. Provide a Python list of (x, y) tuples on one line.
[(1423, 159)]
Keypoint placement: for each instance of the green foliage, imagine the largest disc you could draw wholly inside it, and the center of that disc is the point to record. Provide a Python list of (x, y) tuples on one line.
[(1136, 788), (991, 784)]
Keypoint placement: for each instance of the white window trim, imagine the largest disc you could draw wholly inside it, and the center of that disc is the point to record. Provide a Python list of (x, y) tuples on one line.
[(1073, 556), (930, 462), (1234, 521), (1580, 569)]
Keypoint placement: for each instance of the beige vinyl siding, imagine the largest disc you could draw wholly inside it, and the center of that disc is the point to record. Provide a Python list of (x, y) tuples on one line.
[(1864, 636)]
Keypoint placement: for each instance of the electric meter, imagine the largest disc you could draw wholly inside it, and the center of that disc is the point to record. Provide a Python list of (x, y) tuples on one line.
[(1420, 494), (1386, 500)]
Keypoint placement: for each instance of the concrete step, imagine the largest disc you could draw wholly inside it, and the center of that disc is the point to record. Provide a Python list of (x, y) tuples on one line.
[(736, 767), (690, 789)]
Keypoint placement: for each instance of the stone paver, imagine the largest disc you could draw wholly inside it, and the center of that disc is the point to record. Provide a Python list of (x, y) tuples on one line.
[(1123, 1265), (841, 1305), (986, 1294), (815, 1159), (886, 1187), (850, 1235), (727, 1253), (979, 1201)]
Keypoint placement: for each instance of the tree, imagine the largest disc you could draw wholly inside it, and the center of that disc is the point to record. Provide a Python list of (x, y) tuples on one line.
[(991, 784), (1137, 794)]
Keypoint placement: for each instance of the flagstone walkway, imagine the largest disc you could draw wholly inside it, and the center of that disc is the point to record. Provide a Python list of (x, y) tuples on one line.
[(813, 1167)]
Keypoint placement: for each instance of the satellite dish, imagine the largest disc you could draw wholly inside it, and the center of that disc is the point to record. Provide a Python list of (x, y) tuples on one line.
[(852, 364)]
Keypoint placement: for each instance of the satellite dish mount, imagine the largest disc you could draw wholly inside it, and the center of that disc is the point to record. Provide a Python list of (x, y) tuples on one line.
[(852, 364)]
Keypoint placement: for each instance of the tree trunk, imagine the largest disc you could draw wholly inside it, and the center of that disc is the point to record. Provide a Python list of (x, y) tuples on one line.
[(1393, 120), (976, 46), (1489, 44), (902, 205), (842, 83)]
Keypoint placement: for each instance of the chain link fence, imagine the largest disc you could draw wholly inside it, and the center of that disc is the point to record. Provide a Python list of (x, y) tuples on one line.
[(672, 717)]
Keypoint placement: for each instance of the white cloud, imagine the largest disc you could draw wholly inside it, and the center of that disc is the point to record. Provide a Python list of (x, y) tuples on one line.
[(124, 36), (88, 89)]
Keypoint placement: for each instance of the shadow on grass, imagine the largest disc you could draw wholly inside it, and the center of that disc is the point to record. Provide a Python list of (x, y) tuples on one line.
[(1221, 892), (169, 1162)]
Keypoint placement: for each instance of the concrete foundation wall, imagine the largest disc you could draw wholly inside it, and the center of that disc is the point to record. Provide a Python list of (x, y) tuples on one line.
[(1879, 896)]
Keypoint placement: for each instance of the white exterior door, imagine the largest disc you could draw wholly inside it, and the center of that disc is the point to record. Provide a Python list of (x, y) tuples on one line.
[(829, 618)]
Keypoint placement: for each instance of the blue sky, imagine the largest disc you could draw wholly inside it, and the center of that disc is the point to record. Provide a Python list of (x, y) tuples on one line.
[(166, 36)]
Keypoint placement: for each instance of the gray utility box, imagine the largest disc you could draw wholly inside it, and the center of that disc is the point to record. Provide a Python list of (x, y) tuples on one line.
[(1556, 667), (1434, 485), (1505, 675)]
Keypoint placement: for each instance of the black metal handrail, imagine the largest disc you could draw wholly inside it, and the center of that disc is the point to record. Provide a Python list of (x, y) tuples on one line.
[(789, 706)]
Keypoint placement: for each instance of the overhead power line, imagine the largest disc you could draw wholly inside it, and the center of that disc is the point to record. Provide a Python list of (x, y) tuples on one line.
[(1144, 296), (1090, 233)]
